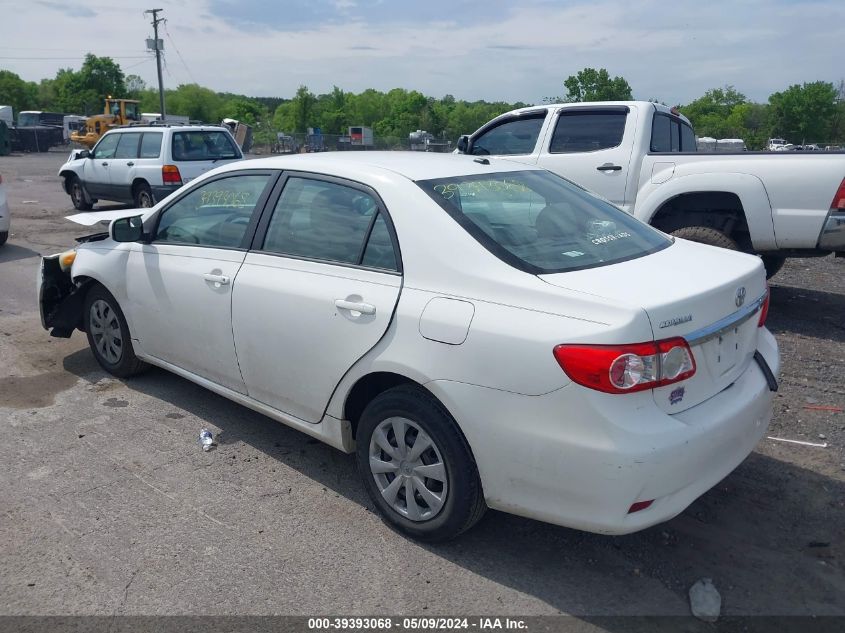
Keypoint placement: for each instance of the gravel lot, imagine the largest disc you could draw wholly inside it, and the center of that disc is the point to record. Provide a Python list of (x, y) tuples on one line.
[(107, 505)]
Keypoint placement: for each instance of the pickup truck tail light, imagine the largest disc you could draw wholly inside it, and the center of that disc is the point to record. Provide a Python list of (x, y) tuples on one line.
[(170, 175), (839, 198), (627, 368)]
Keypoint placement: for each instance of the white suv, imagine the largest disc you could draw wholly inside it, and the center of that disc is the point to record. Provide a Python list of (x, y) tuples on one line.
[(141, 165)]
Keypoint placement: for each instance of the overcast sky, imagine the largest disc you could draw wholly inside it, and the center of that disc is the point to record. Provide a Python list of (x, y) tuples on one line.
[(509, 50)]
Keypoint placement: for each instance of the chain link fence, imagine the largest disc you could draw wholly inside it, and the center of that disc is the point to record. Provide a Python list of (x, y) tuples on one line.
[(269, 140)]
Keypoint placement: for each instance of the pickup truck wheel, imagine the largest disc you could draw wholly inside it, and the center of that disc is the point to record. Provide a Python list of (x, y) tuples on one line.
[(77, 195), (108, 334), (706, 235), (144, 196), (773, 264), (417, 467)]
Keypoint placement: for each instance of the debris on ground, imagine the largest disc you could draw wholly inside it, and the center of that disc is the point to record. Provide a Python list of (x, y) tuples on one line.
[(705, 601), (206, 440), (802, 443)]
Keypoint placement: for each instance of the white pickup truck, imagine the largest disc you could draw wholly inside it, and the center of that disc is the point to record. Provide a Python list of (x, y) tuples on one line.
[(642, 157)]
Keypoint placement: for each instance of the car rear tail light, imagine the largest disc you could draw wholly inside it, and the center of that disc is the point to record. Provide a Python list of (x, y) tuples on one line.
[(170, 175), (639, 505), (839, 199), (627, 368), (764, 309)]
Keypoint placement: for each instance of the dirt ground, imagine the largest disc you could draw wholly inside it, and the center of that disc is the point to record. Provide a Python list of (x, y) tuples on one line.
[(106, 505)]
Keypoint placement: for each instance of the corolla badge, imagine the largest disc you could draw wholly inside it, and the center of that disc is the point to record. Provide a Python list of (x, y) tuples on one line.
[(675, 321), (740, 296)]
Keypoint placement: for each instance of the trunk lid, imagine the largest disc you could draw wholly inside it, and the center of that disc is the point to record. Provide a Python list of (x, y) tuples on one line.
[(705, 294)]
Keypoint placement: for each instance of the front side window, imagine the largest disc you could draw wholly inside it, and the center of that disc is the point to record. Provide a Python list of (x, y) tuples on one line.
[(203, 145), (216, 213), (107, 146), (127, 147), (541, 223), (326, 221), (588, 131), (151, 145), (518, 136)]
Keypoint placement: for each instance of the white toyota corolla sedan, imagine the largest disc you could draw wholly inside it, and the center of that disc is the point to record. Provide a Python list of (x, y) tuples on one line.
[(479, 332)]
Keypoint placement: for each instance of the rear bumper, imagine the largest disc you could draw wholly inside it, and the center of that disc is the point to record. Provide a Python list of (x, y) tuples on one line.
[(832, 237), (160, 192), (580, 458)]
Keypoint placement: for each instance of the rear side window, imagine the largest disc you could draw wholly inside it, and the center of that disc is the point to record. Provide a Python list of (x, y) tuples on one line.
[(128, 145), (588, 131), (326, 221), (671, 134), (540, 223), (518, 136), (203, 145), (151, 145)]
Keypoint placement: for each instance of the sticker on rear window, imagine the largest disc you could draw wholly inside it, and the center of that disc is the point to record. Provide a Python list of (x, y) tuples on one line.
[(604, 239)]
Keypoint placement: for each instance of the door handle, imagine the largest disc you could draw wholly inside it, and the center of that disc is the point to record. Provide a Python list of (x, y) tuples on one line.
[(130, 164), (353, 306), (105, 164), (217, 280), (609, 167)]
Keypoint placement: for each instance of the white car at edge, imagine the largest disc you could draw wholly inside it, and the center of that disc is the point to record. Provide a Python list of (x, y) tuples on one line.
[(5, 219), (480, 332)]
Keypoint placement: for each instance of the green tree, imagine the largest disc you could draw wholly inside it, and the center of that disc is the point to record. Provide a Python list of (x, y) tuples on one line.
[(14, 91), (596, 85), (303, 109), (804, 113)]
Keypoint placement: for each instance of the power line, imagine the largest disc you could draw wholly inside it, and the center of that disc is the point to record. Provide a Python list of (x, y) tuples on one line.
[(175, 48), (31, 59)]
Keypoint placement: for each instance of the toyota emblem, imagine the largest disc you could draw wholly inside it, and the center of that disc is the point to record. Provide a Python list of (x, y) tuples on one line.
[(740, 296)]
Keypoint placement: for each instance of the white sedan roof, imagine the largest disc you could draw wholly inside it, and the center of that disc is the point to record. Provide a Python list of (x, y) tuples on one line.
[(365, 165)]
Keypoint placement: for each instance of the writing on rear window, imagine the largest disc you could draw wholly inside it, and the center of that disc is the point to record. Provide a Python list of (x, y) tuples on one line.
[(604, 239)]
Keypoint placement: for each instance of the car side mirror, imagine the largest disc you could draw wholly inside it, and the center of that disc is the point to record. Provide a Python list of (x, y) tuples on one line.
[(463, 144), (127, 229)]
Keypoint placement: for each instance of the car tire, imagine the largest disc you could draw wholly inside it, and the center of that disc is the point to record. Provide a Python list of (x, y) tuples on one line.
[(773, 264), (143, 196), (4, 235), (108, 334), (77, 195), (706, 235), (446, 502)]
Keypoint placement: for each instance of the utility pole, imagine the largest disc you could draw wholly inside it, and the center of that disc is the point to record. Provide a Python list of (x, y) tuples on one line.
[(158, 45)]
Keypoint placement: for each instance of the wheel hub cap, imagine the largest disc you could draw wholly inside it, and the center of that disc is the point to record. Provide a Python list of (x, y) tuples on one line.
[(105, 330), (408, 469)]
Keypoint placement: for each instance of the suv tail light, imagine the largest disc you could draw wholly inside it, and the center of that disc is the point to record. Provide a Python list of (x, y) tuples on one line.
[(170, 175), (764, 309), (627, 368), (838, 201)]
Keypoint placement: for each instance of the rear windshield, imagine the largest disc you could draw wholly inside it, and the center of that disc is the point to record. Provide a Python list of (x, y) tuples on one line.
[(209, 145), (541, 223)]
